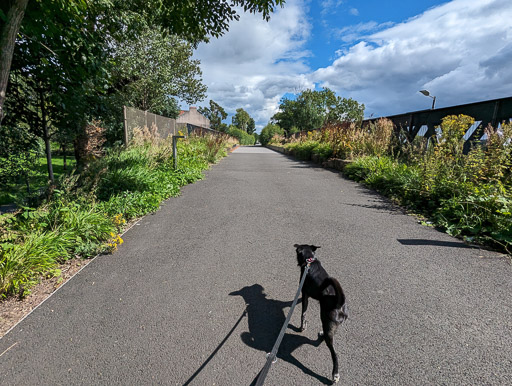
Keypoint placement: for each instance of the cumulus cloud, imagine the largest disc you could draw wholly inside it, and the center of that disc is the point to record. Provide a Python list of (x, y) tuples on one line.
[(459, 51), (256, 63)]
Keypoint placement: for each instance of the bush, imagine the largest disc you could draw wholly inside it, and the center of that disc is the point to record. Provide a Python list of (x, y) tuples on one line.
[(242, 136), (85, 215), (466, 195), (268, 133), (303, 150)]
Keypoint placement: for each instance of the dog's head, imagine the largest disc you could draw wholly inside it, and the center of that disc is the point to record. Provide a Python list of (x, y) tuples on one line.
[(304, 253)]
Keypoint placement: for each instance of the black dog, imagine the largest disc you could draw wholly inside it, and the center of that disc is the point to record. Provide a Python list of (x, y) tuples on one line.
[(327, 290)]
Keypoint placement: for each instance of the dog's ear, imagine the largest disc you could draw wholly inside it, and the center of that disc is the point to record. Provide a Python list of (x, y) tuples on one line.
[(314, 248), (297, 246)]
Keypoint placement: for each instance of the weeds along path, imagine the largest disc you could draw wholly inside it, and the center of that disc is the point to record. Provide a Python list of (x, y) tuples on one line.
[(199, 290)]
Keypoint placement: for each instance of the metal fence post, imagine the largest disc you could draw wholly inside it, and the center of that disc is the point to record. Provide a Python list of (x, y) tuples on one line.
[(175, 149), (125, 127)]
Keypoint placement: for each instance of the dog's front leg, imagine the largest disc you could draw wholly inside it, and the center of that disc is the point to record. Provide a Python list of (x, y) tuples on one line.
[(303, 322)]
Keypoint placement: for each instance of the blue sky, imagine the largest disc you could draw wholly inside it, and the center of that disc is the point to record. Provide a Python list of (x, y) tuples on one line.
[(378, 53)]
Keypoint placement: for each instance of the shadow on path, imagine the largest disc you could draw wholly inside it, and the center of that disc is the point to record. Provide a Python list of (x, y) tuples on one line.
[(216, 350), (439, 243), (265, 319)]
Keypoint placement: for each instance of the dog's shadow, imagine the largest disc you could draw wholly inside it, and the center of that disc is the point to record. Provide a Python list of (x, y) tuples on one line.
[(265, 319)]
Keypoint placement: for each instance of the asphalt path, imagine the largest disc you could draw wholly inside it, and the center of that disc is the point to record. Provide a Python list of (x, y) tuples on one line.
[(199, 290)]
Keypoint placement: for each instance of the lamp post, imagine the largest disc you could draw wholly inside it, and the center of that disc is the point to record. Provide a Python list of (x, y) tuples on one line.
[(426, 93)]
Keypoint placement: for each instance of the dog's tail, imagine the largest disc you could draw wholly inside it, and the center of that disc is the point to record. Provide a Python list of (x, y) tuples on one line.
[(340, 295)]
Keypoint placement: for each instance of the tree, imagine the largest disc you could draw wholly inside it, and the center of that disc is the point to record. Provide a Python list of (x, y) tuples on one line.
[(194, 20), (216, 114), (154, 68), (313, 109), (241, 119), (251, 128), (11, 21), (58, 70)]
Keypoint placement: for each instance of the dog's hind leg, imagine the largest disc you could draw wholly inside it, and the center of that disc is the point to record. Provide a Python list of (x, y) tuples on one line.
[(303, 321), (329, 331)]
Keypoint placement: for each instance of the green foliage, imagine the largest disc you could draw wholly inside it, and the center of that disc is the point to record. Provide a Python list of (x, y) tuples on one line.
[(251, 128), (21, 264), (304, 150), (216, 114), (197, 20), (85, 214), (241, 120), (388, 176), (314, 109), (269, 132), (243, 137), (466, 195), (152, 69), (19, 156)]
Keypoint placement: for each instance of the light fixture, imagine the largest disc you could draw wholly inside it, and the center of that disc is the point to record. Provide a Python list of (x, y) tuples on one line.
[(427, 93)]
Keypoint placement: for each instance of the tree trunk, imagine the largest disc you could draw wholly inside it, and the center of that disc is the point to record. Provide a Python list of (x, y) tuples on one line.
[(64, 164), (46, 137), (7, 42)]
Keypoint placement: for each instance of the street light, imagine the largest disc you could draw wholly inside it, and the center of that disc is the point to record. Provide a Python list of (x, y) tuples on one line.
[(426, 93)]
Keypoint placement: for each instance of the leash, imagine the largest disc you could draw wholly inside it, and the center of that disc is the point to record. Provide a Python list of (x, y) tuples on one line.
[(272, 356)]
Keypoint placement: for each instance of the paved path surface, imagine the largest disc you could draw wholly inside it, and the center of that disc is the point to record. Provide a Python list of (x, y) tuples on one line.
[(198, 292)]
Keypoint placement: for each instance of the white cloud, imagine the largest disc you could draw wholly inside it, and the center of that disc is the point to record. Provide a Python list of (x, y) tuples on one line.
[(354, 11), (359, 31), (460, 51), (256, 62), (329, 6)]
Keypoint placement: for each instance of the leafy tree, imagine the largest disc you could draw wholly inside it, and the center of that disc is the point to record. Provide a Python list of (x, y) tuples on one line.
[(241, 119), (313, 109), (154, 68), (57, 71), (194, 20), (216, 114), (251, 128)]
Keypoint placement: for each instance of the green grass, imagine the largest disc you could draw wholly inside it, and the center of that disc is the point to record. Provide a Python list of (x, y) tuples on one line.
[(12, 193), (85, 214)]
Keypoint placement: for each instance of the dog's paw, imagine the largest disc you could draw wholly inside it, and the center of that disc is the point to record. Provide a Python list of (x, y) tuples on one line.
[(304, 326), (335, 378), (321, 334)]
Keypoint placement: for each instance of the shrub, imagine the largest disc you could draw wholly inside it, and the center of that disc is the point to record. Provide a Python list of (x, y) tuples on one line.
[(241, 135), (268, 133), (83, 217)]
